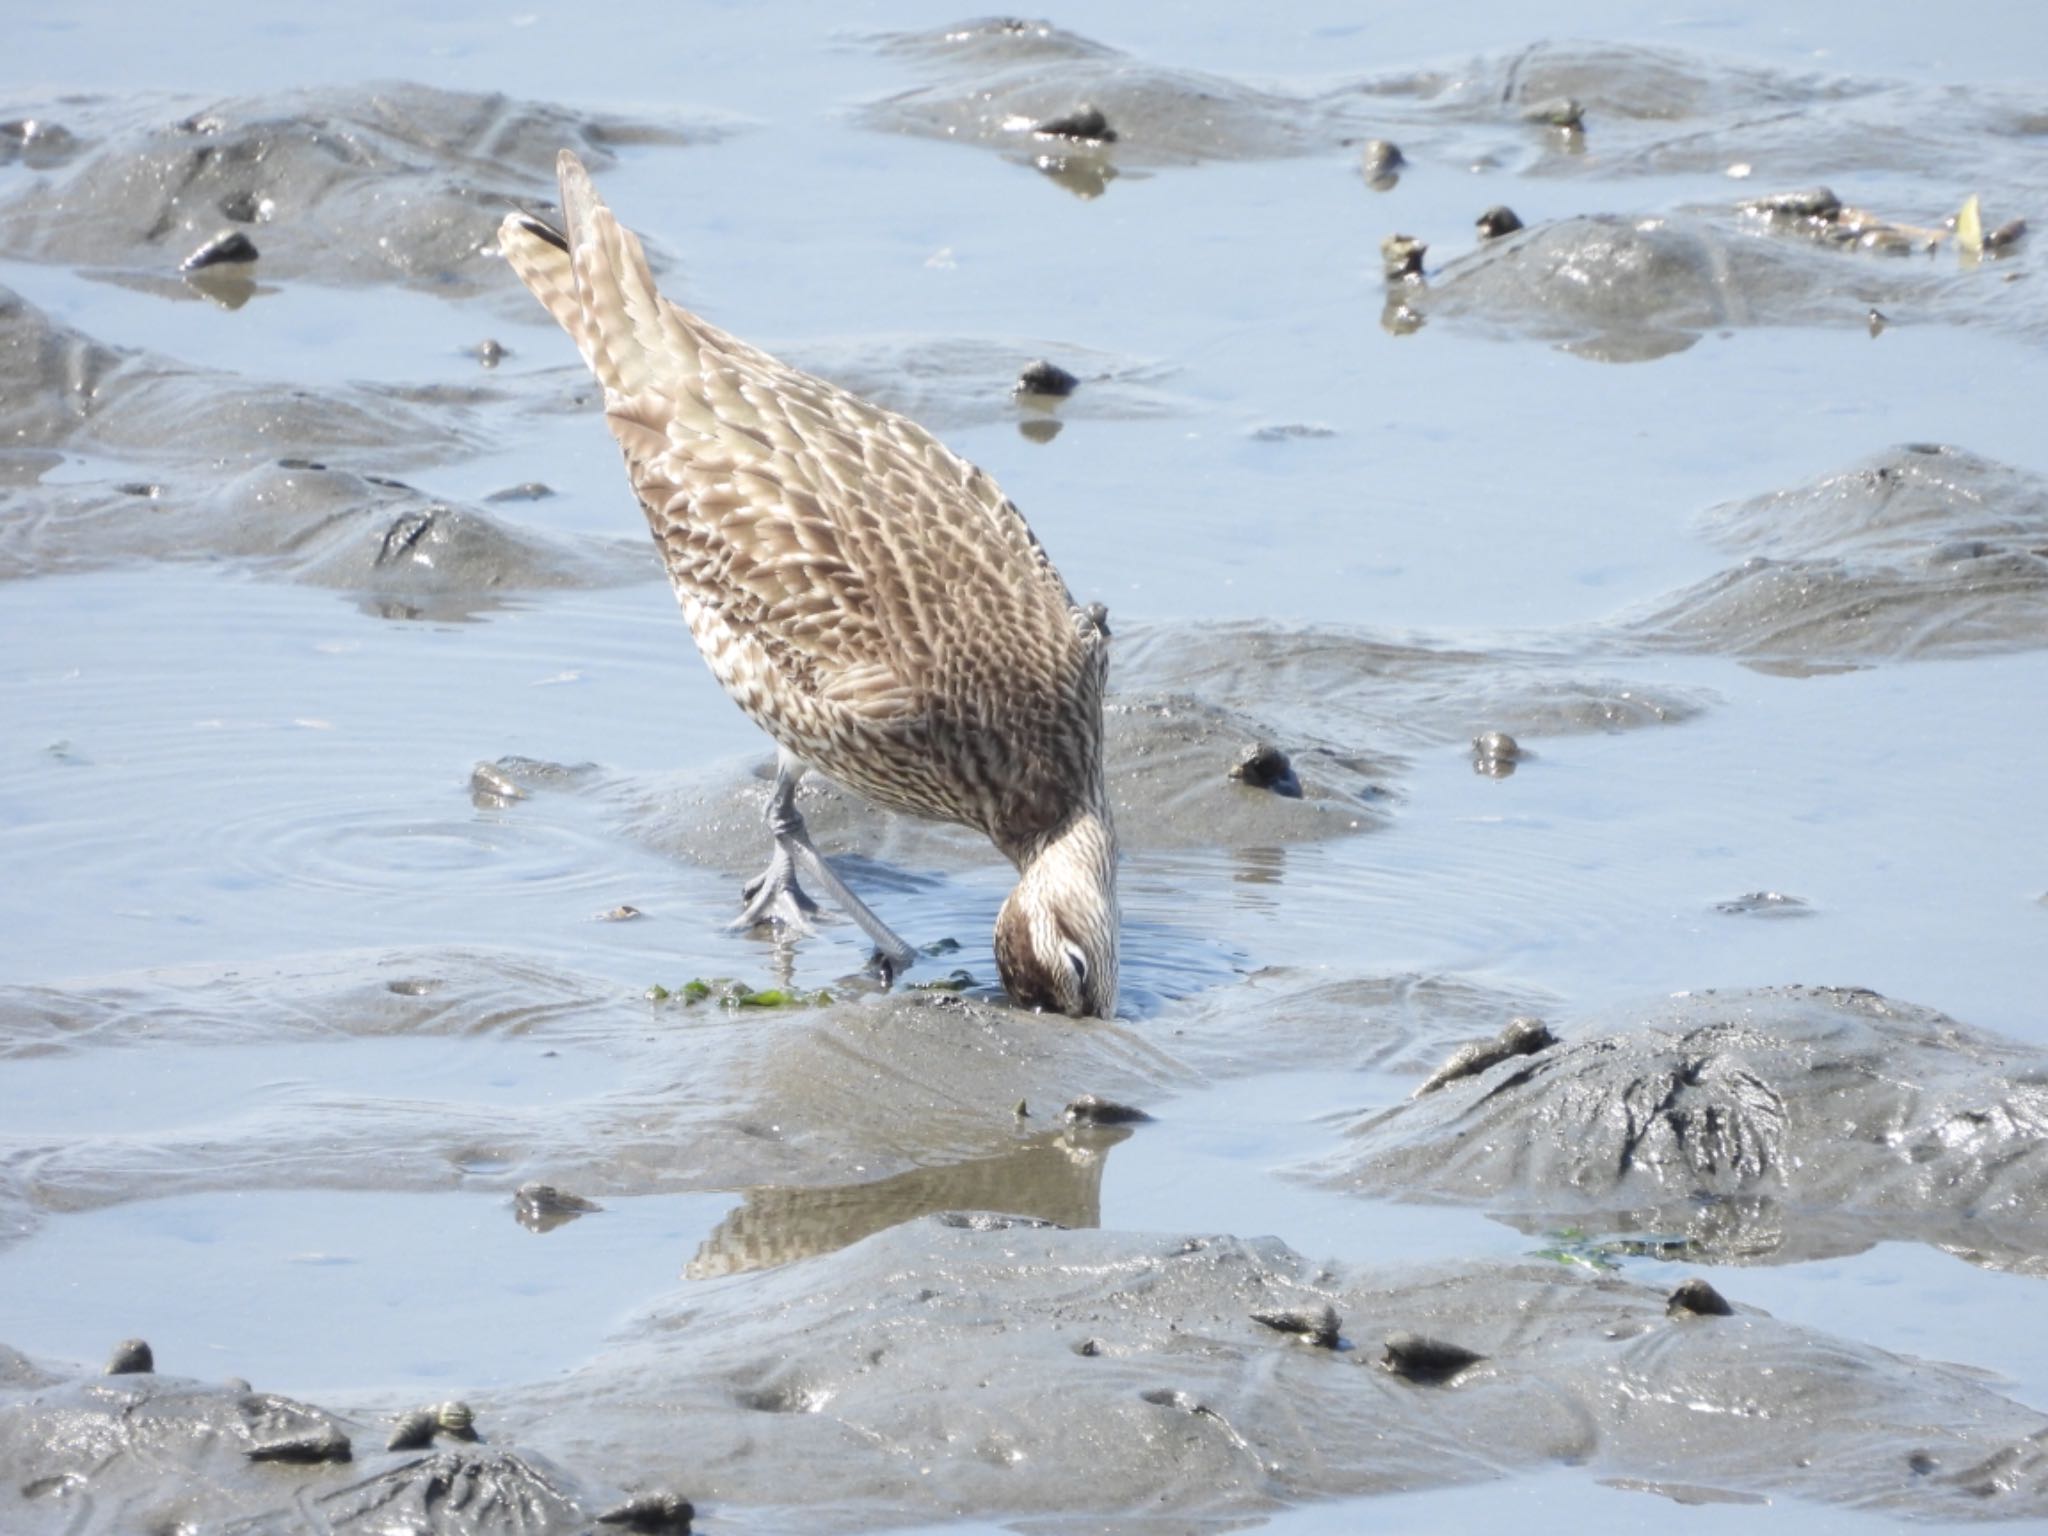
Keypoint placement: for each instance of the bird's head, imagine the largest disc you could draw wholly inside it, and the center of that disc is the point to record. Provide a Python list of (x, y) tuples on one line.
[(1056, 937)]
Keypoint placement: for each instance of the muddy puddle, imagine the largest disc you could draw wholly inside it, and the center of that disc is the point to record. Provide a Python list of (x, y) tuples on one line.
[(1650, 606)]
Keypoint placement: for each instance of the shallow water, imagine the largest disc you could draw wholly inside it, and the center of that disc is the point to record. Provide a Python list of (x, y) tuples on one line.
[(207, 769)]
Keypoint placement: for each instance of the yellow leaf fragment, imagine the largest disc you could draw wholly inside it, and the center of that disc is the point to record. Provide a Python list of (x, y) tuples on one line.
[(1970, 227)]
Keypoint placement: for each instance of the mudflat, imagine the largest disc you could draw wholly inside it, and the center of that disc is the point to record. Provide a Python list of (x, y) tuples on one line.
[(1574, 699)]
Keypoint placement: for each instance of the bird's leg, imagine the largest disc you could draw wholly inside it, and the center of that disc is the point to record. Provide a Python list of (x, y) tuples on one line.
[(776, 894), (773, 895)]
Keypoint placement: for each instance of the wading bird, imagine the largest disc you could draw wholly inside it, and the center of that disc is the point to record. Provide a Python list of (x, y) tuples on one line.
[(870, 599)]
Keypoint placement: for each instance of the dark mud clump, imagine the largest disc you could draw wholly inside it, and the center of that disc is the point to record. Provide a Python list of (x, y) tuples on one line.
[(1921, 551), (1721, 1116), (400, 183)]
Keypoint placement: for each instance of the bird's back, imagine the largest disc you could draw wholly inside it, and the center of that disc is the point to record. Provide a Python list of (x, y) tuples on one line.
[(873, 601)]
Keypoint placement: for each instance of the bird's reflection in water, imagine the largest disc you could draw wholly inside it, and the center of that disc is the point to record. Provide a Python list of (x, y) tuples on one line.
[(1054, 1176)]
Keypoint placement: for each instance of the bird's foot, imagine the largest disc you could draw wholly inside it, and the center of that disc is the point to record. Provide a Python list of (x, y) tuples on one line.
[(773, 896)]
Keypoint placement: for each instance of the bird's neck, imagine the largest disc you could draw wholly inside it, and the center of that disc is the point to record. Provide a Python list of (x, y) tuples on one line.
[(1079, 852)]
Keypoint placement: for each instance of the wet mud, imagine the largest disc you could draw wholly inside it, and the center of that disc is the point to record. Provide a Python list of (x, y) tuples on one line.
[(336, 520), (1170, 781), (64, 389), (405, 554), (950, 382), (1924, 550), (143, 1452), (1715, 1123), (704, 1098), (401, 184), (910, 1285), (972, 1351), (1628, 289), (1082, 112), (1184, 1396)]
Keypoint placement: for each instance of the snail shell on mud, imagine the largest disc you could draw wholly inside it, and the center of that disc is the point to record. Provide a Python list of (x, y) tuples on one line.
[(1696, 1298), (131, 1357), (1425, 1360), (1498, 220), (1312, 1325), (412, 1431)]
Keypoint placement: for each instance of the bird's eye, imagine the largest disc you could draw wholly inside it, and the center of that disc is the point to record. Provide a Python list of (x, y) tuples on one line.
[(1078, 960)]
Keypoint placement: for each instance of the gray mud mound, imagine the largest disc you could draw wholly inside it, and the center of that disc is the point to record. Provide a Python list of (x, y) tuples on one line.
[(1194, 700), (944, 383), (1633, 85), (1283, 1018), (948, 383), (1655, 111), (688, 1098), (407, 554), (999, 80), (1774, 1125), (396, 183), (352, 994), (1629, 289), (1661, 112), (1169, 762), (1921, 551), (62, 389), (974, 1361), (920, 1080), (468, 1491), (961, 1363), (288, 481), (1399, 693), (147, 1453)]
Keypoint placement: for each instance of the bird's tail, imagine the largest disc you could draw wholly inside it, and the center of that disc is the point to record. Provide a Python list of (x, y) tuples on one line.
[(593, 278)]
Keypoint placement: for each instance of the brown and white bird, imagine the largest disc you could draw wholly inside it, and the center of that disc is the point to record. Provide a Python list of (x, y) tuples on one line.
[(871, 600)]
